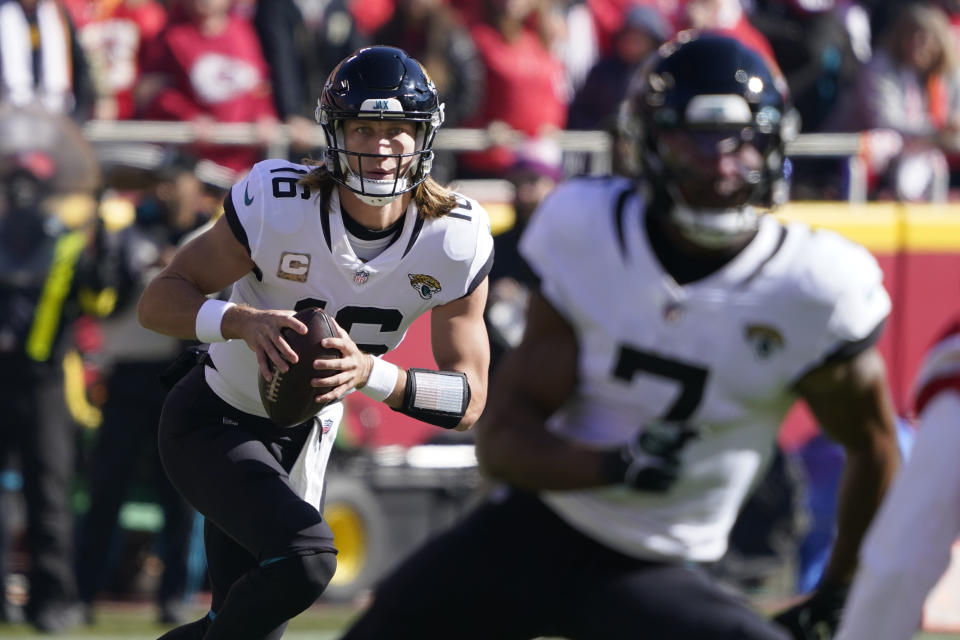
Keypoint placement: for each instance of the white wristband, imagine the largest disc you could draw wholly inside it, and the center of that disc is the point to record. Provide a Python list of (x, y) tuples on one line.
[(209, 318), (382, 380)]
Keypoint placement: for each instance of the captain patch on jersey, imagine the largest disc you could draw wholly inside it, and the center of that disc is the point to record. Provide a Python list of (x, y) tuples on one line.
[(428, 263)]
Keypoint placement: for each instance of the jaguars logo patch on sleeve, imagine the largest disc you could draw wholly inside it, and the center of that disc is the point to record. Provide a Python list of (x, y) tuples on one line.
[(425, 285)]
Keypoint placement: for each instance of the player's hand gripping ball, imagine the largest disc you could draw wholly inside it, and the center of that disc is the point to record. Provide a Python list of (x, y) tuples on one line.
[(288, 397)]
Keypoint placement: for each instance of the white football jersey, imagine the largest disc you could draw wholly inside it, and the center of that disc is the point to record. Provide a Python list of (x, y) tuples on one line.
[(908, 545), (940, 368), (304, 258), (720, 354)]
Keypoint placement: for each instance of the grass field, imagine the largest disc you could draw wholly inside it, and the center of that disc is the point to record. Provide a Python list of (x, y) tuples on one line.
[(123, 621), (136, 622)]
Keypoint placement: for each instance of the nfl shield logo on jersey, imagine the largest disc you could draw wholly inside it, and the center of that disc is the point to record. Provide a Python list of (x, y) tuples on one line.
[(673, 313), (361, 276)]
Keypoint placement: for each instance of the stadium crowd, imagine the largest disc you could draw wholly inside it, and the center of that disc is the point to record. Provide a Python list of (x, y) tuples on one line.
[(890, 69), (533, 66)]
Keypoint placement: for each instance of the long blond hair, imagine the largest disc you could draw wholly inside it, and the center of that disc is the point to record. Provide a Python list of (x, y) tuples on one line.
[(919, 17), (432, 198)]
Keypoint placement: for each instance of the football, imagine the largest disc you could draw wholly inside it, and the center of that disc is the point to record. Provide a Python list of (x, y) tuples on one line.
[(288, 398)]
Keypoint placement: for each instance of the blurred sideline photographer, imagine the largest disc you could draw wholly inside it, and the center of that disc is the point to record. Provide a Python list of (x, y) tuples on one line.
[(133, 360), (50, 273), (673, 328)]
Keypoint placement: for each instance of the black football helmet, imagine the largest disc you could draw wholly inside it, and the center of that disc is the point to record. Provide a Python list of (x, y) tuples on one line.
[(381, 83), (712, 119)]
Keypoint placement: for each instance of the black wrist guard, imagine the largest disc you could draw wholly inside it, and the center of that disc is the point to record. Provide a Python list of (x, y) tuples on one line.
[(440, 398)]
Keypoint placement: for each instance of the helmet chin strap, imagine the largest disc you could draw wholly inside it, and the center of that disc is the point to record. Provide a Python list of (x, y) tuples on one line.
[(376, 192), (714, 228)]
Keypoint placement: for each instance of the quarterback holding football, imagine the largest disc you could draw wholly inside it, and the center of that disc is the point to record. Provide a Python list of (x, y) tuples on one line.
[(372, 240), (674, 327)]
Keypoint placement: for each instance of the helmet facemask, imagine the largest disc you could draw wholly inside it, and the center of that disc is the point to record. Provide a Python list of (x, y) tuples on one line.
[(716, 174), (714, 145), (383, 84), (373, 191)]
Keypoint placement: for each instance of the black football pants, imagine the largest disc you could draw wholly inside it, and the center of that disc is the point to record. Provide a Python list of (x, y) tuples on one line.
[(269, 553), (513, 570)]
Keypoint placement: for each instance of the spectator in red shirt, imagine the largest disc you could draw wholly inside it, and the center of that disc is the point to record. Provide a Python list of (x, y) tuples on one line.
[(726, 17), (608, 17), (112, 35), (210, 69), (370, 15), (596, 103), (432, 32), (524, 86)]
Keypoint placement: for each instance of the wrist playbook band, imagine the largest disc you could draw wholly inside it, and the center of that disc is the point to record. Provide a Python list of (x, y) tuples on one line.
[(382, 380), (209, 318), (436, 397)]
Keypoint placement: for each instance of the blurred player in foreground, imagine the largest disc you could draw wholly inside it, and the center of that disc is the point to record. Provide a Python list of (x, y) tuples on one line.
[(369, 237), (673, 328), (907, 548)]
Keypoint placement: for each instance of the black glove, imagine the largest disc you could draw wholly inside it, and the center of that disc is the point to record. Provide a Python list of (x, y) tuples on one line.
[(651, 460), (817, 617)]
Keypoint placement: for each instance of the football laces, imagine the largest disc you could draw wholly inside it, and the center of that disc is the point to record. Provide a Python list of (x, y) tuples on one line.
[(273, 389)]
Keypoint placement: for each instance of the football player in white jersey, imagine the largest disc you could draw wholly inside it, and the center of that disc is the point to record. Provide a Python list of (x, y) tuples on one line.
[(908, 546), (673, 328), (372, 239)]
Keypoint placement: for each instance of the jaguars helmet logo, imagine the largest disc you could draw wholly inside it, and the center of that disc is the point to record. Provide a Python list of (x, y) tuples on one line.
[(425, 285), (764, 340), (427, 76)]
